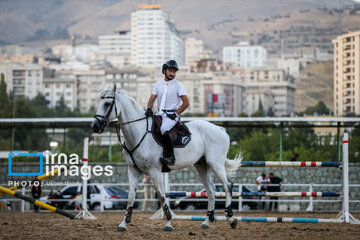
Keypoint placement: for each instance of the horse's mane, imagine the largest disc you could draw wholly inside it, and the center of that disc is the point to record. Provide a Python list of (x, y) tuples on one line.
[(107, 92)]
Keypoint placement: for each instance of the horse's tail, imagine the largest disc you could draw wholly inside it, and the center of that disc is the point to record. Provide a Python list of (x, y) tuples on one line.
[(232, 165)]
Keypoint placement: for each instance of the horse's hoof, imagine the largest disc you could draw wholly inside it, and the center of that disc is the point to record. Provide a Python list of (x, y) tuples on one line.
[(168, 229), (233, 224), (204, 226), (120, 229)]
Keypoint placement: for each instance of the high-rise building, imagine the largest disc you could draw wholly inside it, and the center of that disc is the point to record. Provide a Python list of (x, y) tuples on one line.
[(116, 48), (23, 80), (154, 38), (117, 43), (245, 56), (347, 74), (193, 50)]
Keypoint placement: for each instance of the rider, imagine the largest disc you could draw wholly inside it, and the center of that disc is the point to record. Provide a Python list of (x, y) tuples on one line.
[(168, 93)]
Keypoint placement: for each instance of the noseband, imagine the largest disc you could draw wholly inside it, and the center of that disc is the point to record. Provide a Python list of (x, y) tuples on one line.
[(106, 117)]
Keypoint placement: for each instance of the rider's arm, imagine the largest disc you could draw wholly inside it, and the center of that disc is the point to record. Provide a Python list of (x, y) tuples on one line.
[(184, 105), (151, 101)]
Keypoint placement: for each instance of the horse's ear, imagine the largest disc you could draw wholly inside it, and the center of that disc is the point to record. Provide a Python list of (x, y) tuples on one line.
[(114, 89)]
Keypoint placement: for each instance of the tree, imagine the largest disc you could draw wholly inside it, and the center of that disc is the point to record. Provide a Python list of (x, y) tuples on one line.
[(270, 113), (61, 108), (260, 111), (319, 109), (4, 99)]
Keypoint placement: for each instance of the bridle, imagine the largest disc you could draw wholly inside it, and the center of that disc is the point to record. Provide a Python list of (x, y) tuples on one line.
[(117, 127)]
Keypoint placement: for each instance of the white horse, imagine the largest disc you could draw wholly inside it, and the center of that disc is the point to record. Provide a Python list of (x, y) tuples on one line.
[(207, 150)]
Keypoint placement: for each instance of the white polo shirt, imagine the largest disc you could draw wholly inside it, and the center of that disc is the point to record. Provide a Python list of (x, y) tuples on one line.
[(175, 89)]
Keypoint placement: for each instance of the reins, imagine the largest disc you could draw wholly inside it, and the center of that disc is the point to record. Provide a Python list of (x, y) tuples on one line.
[(106, 118)]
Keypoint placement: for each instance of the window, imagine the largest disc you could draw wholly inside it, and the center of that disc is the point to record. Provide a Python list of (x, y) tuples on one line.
[(70, 191)]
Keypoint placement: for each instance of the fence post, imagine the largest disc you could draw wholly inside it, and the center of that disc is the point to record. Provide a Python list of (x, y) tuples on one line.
[(22, 201), (346, 178), (240, 197), (102, 189), (281, 141), (85, 164), (310, 208)]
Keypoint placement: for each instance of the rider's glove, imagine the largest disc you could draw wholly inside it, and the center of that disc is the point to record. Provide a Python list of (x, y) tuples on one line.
[(149, 113), (172, 116)]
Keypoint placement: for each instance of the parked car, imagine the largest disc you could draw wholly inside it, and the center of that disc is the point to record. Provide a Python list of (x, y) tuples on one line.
[(93, 197), (117, 193), (190, 203)]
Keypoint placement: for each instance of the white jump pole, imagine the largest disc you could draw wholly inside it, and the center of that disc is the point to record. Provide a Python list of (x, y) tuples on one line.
[(85, 214), (345, 215)]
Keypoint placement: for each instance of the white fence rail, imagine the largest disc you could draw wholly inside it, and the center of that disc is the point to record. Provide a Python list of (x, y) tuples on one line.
[(47, 188)]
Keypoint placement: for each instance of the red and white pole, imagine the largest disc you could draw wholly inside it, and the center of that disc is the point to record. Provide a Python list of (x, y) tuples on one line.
[(85, 166)]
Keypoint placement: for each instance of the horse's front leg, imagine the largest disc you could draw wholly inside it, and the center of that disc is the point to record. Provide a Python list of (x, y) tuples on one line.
[(156, 176), (133, 182)]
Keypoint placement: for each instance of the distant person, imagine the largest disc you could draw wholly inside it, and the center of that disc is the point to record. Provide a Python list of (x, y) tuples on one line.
[(274, 180), (262, 182), (295, 157), (78, 202), (36, 193)]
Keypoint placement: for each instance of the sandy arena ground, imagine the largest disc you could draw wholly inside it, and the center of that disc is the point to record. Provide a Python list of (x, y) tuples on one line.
[(54, 226)]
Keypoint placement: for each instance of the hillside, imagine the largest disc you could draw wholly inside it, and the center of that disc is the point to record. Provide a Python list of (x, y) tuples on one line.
[(315, 83), (218, 23)]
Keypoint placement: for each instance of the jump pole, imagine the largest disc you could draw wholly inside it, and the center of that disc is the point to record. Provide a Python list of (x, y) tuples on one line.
[(288, 164), (84, 213), (262, 194), (36, 202), (262, 219)]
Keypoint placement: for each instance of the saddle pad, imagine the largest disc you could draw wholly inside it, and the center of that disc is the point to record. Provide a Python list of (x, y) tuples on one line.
[(180, 133)]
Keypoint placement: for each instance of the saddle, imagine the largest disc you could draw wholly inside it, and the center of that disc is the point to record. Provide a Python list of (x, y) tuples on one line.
[(179, 133)]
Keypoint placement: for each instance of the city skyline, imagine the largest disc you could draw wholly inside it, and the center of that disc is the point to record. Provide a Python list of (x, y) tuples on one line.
[(137, 53)]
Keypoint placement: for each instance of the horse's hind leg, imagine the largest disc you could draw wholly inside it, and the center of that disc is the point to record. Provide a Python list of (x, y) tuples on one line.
[(219, 170), (156, 176), (133, 182), (204, 172)]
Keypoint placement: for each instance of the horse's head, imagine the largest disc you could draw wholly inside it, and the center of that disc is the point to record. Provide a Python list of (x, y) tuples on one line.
[(106, 111)]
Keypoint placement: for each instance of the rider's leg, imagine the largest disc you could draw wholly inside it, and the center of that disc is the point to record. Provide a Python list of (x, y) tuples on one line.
[(169, 157)]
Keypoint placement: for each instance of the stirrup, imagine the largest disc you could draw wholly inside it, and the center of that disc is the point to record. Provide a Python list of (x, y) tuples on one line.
[(167, 161)]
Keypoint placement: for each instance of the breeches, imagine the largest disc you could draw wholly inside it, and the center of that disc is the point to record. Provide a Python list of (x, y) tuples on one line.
[(167, 123)]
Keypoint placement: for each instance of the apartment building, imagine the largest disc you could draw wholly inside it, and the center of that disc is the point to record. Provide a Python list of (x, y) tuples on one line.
[(347, 74), (154, 38), (245, 56)]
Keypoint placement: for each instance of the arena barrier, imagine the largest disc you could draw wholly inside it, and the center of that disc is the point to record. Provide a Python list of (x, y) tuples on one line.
[(343, 217), (259, 194), (36, 202)]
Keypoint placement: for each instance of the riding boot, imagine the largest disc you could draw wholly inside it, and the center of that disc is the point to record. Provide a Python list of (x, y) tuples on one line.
[(168, 156)]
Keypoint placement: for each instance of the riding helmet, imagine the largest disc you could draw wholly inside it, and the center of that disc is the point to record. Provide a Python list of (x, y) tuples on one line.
[(170, 64)]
